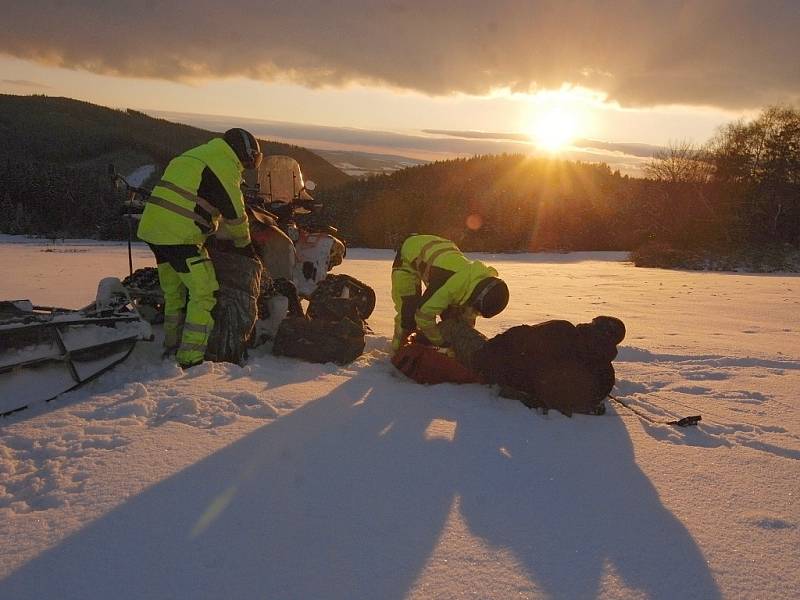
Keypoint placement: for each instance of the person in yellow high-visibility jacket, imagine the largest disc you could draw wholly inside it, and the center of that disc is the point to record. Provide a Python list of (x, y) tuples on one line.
[(455, 287), (200, 190)]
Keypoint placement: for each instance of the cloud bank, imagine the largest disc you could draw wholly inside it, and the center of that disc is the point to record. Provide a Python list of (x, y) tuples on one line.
[(433, 145), (728, 53), (25, 83), (631, 148)]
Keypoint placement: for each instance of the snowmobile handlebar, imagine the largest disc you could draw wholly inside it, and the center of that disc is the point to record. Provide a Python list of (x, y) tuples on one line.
[(294, 207), (283, 211), (301, 211)]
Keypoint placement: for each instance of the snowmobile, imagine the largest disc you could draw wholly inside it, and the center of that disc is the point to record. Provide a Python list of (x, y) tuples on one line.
[(278, 202), (46, 351), (279, 199)]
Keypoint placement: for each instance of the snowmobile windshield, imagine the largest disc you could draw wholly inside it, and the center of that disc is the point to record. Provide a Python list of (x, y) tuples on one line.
[(280, 179)]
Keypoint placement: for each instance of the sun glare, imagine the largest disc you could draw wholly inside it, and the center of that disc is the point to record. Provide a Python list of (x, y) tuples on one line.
[(555, 118), (554, 128)]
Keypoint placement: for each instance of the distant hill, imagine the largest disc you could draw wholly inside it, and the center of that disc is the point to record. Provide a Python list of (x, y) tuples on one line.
[(55, 152), (501, 203), (362, 164), (73, 133)]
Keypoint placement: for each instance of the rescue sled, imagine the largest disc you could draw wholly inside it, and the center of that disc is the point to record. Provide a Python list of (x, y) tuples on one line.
[(46, 351)]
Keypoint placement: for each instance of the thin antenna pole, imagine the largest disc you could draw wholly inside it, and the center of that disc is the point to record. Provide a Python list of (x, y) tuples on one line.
[(130, 235)]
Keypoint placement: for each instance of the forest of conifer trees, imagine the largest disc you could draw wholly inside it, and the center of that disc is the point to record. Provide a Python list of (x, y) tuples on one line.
[(54, 161)]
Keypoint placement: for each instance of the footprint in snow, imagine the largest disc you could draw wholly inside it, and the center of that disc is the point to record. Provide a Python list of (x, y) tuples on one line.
[(695, 390), (704, 375), (767, 521)]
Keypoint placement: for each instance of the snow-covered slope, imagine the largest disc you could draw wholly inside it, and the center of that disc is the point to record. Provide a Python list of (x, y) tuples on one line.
[(283, 479)]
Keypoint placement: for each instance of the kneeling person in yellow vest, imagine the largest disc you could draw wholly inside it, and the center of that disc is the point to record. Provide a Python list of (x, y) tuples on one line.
[(455, 288), (199, 189)]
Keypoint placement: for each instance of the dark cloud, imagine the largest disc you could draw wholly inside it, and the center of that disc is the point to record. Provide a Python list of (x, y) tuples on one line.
[(631, 148), (730, 53), (479, 135)]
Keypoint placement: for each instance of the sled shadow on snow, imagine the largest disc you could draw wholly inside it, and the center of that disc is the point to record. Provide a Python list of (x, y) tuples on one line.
[(348, 497)]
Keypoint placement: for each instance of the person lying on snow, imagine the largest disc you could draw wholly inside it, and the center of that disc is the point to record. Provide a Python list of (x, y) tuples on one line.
[(554, 364), (456, 289)]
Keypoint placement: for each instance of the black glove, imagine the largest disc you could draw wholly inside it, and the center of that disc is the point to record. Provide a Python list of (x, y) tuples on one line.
[(248, 251), (308, 204), (417, 337), (282, 210)]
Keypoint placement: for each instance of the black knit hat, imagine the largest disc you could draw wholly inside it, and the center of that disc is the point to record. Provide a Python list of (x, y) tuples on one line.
[(490, 297)]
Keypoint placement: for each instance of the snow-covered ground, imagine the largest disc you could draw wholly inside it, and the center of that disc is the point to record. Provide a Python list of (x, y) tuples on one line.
[(290, 480)]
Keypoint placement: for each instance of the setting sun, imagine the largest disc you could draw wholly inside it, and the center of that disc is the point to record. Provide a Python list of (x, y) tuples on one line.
[(554, 128), (555, 118)]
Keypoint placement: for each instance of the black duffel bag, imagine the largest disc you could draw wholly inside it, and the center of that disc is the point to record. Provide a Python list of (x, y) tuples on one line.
[(320, 340), (236, 310)]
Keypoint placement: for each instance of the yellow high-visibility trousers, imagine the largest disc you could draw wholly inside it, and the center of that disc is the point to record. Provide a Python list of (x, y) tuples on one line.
[(187, 325)]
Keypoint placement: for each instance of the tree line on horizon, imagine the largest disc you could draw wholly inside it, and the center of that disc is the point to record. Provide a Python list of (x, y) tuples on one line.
[(739, 190)]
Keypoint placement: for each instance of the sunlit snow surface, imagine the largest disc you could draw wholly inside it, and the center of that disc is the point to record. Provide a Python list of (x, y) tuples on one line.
[(290, 480)]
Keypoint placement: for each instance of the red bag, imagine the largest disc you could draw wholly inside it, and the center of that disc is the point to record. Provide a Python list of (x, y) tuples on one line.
[(425, 364)]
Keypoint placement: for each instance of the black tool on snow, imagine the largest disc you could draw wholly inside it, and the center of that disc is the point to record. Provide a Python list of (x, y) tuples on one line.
[(682, 422)]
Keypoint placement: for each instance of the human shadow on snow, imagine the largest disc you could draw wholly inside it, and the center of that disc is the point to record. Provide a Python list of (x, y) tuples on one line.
[(347, 497)]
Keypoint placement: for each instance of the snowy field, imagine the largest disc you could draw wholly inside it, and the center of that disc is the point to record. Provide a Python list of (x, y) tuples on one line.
[(290, 480)]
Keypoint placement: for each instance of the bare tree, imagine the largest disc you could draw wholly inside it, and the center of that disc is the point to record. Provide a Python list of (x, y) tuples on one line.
[(680, 162), (680, 204)]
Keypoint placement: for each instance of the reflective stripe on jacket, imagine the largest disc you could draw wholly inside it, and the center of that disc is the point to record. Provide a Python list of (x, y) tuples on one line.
[(175, 214), (449, 277)]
